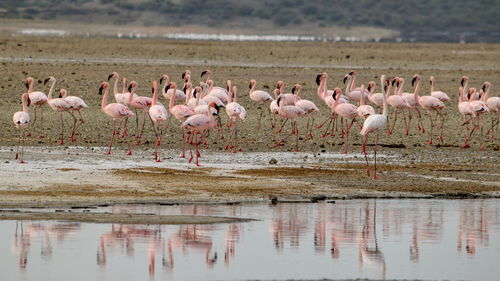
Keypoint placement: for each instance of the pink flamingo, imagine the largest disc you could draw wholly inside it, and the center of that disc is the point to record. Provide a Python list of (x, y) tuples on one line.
[(442, 96), (287, 99), (375, 123), (345, 111), (274, 107), (327, 97), (493, 104), (258, 96), (364, 110), (235, 112), (138, 103), (478, 107), (208, 98), (309, 108), (354, 93), (397, 102), (37, 99), (59, 105), (181, 112), (158, 114), (219, 92), (464, 109), (77, 104), (179, 95), (291, 112), (375, 98), (21, 119), (198, 123), (194, 97), (410, 100), (122, 97), (115, 111), (429, 103)]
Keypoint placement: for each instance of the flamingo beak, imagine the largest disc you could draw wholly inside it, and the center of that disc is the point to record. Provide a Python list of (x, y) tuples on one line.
[(110, 76), (318, 79), (462, 82), (100, 89), (152, 90), (484, 88), (29, 101), (413, 80), (129, 88), (27, 84), (60, 95), (161, 80), (345, 78), (293, 90), (45, 81), (203, 73), (183, 75), (250, 86), (369, 88), (351, 73)]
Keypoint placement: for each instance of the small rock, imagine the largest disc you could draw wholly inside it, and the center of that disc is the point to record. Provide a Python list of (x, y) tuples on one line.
[(273, 161)]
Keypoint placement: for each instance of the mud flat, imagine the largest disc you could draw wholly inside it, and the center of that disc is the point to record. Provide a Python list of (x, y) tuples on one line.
[(81, 176)]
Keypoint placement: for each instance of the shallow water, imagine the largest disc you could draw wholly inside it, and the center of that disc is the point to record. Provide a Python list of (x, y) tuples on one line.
[(377, 239)]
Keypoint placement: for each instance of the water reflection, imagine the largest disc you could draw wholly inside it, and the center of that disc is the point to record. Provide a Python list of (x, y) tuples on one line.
[(366, 239)]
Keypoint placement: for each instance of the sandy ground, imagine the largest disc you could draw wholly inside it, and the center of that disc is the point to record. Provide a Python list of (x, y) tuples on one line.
[(82, 176), (78, 173)]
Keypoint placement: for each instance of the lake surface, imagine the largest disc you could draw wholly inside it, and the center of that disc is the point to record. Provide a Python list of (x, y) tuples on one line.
[(376, 239)]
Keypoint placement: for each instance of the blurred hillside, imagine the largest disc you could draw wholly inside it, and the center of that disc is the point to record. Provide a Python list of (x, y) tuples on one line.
[(423, 20)]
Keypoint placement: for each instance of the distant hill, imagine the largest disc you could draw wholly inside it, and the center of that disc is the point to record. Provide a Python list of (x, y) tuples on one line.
[(441, 20)]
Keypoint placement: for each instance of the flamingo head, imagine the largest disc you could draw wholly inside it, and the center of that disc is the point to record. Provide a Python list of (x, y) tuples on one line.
[(172, 85), (197, 90), (165, 78), (486, 85), (278, 100), (104, 85), (296, 88), (112, 75), (63, 93), (337, 92), (353, 73), (50, 78), (431, 80), (155, 86), (28, 100), (252, 82), (371, 86), (280, 84), (464, 79), (186, 75), (206, 72), (346, 77), (28, 82), (214, 106), (415, 78), (471, 93), (318, 78), (132, 85)]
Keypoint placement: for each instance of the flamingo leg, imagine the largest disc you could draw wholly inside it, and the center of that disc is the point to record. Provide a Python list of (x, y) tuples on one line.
[(365, 140), (467, 138), (260, 116), (183, 155), (441, 127), (112, 137), (32, 127), (125, 133), (18, 143), (282, 126), (324, 122), (41, 123), (62, 129), (75, 120), (432, 126), (407, 124), (22, 149), (393, 123), (197, 150), (331, 123), (375, 157)]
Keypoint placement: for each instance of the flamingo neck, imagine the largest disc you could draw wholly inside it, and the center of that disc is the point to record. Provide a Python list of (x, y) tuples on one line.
[(252, 89), (486, 95), (115, 86), (171, 103), (124, 85), (164, 88), (432, 85), (353, 82), (384, 98), (24, 99), (198, 96), (155, 95), (348, 85), (415, 92), (104, 101), (362, 96), (49, 96), (324, 88), (131, 96)]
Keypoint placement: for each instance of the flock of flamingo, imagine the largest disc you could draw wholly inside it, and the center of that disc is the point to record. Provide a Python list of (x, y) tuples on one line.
[(199, 107)]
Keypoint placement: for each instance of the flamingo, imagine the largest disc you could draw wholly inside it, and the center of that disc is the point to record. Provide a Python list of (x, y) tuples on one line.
[(376, 123), (308, 106), (364, 110), (59, 105), (354, 93), (274, 107), (375, 98), (397, 102), (288, 98), (478, 107), (442, 96), (428, 103), (208, 98), (493, 104), (345, 111), (77, 104), (181, 112), (37, 99), (258, 96), (193, 96), (115, 111), (179, 95), (235, 112), (21, 119), (219, 92), (464, 109), (122, 97), (158, 114), (138, 103), (291, 112), (197, 123)]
